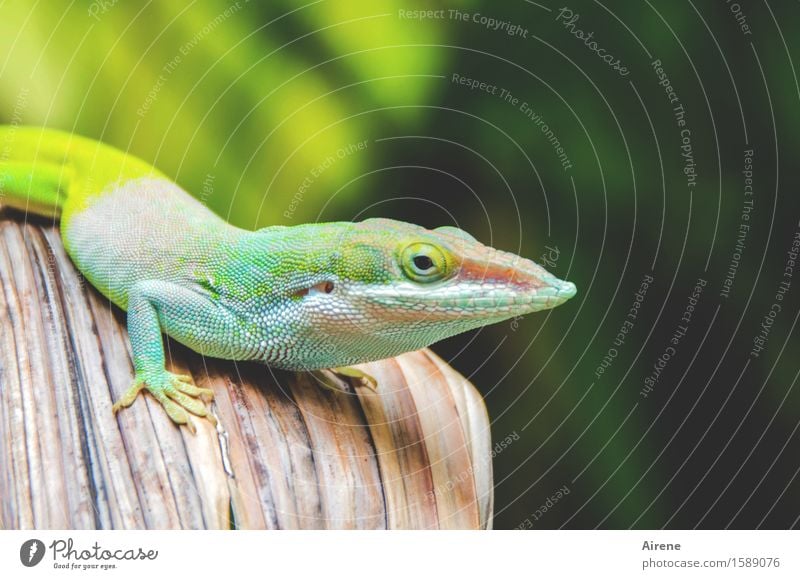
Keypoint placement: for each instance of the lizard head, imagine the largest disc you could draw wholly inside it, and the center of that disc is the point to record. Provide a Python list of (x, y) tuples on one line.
[(446, 278), (384, 287)]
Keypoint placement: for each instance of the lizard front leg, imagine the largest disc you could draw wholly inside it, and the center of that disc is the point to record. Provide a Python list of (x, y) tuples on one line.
[(154, 306)]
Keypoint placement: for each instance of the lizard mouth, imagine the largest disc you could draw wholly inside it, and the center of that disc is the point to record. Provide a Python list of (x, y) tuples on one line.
[(463, 300)]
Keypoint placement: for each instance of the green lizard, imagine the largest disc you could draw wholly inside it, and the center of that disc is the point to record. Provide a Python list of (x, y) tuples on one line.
[(309, 297)]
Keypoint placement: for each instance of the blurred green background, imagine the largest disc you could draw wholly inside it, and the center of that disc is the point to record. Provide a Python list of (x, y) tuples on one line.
[(288, 112)]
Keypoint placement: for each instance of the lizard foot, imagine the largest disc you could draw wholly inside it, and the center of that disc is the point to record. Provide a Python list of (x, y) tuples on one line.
[(350, 372), (332, 379), (175, 392)]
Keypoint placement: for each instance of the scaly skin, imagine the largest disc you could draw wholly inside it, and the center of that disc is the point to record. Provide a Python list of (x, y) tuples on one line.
[(309, 297)]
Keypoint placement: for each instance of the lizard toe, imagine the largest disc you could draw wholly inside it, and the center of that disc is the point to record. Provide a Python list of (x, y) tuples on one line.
[(174, 410), (205, 394), (193, 405), (129, 396)]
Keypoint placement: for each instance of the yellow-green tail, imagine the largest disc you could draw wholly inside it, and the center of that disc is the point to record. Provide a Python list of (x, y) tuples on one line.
[(43, 170)]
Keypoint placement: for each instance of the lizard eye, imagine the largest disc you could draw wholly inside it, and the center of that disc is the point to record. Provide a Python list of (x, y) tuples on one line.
[(423, 262)]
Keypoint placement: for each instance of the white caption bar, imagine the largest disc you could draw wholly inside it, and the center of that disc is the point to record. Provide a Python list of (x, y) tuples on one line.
[(355, 554)]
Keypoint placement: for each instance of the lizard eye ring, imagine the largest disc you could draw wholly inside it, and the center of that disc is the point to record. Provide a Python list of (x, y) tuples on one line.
[(424, 262)]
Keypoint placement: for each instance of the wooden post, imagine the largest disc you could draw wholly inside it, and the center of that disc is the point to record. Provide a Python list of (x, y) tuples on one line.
[(286, 453)]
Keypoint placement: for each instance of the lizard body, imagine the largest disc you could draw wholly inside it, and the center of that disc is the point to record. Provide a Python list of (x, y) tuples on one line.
[(307, 297)]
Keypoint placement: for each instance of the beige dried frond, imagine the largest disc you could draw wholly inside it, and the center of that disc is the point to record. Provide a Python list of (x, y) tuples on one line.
[(285, 454)]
